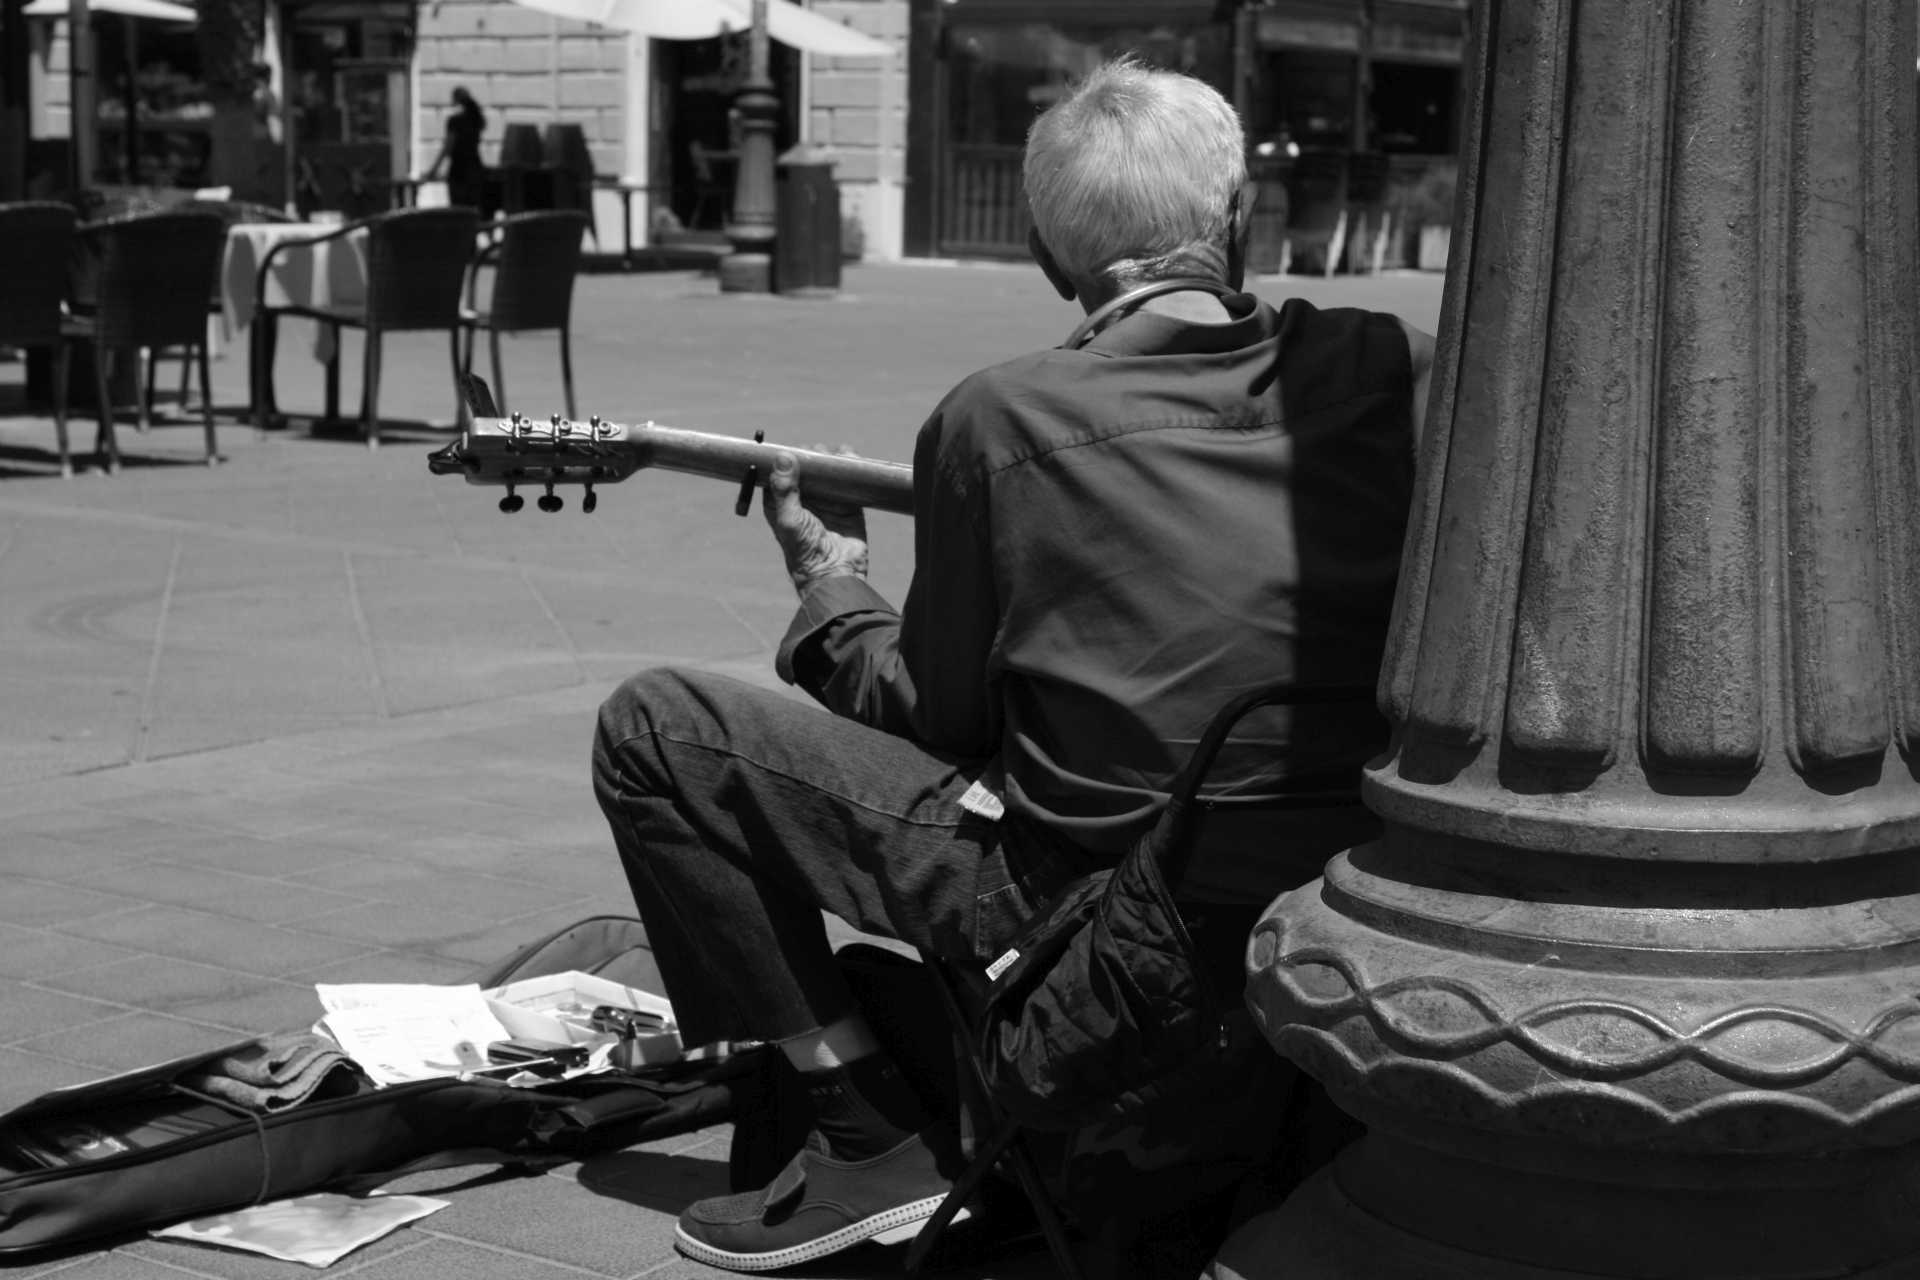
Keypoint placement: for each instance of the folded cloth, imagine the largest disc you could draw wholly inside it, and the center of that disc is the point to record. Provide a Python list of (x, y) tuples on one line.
[(274, 1072)]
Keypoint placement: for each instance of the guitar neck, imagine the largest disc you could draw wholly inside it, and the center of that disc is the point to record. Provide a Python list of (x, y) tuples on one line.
[(515, 451)]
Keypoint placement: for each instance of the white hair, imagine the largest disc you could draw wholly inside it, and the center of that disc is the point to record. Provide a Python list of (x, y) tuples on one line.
[(1132, 176)]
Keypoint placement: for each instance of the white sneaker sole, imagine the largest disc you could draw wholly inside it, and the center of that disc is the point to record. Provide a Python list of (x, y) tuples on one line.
[(896, 1226)]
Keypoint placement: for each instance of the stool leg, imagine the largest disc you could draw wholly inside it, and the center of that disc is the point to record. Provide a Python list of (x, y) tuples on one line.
[(566, 367), (150, 356), (333, 378), (104, 443), (260, 351), (370, 391), (62, 367), (206, 399)]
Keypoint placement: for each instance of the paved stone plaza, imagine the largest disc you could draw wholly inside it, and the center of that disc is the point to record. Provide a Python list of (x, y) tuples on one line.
[(317, 716)]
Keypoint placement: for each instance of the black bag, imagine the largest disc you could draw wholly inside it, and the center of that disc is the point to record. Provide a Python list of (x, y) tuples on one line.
[(1104, 1004), (174, 1153)]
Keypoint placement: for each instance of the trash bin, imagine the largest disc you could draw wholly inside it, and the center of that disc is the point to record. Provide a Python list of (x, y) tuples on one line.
[(806, 246), (520, 147), (526, 183)]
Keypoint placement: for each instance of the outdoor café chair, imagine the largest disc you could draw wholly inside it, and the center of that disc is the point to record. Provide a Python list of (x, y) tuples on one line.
[(143, 282), (36, 242), (416, 261), (230, 212), (535, 257)]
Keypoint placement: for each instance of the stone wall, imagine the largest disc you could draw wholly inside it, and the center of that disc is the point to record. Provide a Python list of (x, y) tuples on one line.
[(524, 67), (50, 104), (857, 112)]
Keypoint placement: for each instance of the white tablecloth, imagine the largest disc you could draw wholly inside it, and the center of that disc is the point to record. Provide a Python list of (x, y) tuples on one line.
[(330, 274)]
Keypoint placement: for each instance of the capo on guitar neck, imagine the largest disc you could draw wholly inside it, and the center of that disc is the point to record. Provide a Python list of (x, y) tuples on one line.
[(749, 482)]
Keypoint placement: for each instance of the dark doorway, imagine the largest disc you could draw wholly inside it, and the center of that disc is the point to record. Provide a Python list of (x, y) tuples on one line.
[(696, 133)]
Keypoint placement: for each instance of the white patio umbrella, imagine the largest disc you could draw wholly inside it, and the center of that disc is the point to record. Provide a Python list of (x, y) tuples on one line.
[(700, 19), (158, 10)]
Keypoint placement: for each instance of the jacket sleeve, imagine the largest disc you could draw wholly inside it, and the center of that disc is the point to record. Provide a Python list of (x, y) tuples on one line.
[(920, 673)]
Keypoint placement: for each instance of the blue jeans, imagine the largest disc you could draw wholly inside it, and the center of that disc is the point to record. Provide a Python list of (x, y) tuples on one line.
[(741, 814)]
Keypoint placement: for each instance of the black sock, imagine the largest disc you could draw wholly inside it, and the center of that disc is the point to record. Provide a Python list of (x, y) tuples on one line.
[(864, 1108)]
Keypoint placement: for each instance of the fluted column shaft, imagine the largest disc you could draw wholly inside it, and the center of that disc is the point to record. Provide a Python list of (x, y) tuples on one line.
[(1629, 985), (1666, 560)]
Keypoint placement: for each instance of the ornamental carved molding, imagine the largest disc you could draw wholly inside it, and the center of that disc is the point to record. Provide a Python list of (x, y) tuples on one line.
[(1531, 1050)]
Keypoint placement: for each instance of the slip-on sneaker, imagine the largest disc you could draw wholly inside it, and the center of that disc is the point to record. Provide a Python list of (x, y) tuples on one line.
[(817, 1205)]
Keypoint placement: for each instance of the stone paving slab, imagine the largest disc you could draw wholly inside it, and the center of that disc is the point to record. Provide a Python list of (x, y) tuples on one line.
[(316, 716)]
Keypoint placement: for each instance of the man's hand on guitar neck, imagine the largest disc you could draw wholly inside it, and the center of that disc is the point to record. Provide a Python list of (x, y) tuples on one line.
[(821, 540)]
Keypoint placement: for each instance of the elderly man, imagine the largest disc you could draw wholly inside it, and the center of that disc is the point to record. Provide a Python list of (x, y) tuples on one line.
[(1193, 495)]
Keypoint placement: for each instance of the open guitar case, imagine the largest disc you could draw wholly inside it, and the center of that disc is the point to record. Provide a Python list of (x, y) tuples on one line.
[(187, 1154)]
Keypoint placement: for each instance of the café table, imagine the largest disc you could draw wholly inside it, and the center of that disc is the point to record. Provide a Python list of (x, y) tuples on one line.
[(329, 274), (626, 190)]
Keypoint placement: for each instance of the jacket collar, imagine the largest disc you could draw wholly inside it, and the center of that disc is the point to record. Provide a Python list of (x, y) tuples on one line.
[(1149, 333)]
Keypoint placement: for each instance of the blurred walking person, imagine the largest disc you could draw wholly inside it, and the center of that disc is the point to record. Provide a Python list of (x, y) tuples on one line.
[(461, 151)]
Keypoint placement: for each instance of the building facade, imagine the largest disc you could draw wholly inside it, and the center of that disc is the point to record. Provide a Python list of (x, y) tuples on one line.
[(1316, 82), (657, 113), (925, 141)]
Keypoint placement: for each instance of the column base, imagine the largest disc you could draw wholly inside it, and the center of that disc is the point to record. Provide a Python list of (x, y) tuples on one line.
[(1320, 1234), (1323, 1233), (746, 273)]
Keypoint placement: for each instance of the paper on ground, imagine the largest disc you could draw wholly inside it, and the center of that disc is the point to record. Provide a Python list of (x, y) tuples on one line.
[(408, 1031), (318, 1229)]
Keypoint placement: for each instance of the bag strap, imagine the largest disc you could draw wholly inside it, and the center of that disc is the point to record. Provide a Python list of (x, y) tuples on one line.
[(1173, 834), (259, 1132)]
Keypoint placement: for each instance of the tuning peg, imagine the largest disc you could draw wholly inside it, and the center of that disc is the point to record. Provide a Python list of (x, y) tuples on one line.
[(551, 501), (512, 502), (589, 501)]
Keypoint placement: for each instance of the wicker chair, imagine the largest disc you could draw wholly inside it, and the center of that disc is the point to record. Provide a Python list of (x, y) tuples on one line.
[(416, 262), (535, 258), (144, 284), (231, 213), (36, 241)]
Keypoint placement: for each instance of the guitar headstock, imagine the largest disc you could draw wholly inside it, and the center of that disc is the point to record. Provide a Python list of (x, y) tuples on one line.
[(516, 450), (512, 450)]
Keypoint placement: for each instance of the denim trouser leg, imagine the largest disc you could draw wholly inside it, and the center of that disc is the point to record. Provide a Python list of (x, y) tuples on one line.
[(740, 814)]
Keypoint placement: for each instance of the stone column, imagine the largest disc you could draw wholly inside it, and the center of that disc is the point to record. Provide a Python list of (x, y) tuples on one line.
[(1631, 984)]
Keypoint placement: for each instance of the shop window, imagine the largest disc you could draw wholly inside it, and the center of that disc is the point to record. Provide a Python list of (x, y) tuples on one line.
[(1414, 108), (1000, 76), (153, 108), (1306, 98)]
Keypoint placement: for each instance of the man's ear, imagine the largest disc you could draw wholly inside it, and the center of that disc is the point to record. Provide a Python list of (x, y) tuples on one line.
[(1239, 232), (1055, 276)]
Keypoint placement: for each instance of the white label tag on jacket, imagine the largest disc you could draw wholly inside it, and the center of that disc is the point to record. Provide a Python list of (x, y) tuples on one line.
[(999, 966), (982, 802)]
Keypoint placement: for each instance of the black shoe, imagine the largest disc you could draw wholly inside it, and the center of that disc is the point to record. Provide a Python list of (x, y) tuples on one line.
[(817, 1205)]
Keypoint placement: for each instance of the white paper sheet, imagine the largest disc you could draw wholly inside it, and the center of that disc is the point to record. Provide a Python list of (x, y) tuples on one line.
[(317, 1229), (404, 1031)]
